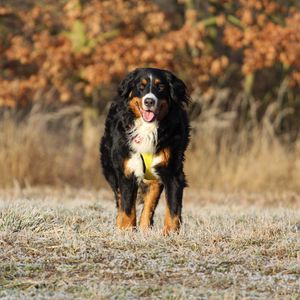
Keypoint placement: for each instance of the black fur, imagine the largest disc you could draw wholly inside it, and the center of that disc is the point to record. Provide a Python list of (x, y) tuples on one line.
[(173, 132)]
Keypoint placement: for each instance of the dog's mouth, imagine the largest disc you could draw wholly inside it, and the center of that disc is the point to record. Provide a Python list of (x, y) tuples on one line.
[(148, 115)]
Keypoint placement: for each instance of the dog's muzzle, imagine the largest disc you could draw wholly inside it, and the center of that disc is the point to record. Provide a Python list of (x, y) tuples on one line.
[(149, 102), (149, 106)]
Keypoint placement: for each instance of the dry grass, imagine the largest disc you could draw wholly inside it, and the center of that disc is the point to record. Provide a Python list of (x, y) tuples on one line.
[(50, 149), (63, 245), (61, 149), (233, 164)]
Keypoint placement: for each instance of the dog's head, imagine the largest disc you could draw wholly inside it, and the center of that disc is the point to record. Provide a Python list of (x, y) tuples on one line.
[(150, 93)]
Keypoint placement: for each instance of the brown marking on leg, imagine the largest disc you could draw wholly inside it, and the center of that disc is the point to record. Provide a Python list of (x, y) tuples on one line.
[(163, 109), (125, 221), (172, 223), (134, 104), (150, 202), (164, 155)]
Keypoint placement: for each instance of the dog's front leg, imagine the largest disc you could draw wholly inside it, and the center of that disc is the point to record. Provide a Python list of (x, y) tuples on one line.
[(151, 197), (126, 217), (174, 192)]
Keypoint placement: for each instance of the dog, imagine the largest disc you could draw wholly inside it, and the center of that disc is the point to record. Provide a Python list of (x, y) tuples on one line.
[(146, 134)]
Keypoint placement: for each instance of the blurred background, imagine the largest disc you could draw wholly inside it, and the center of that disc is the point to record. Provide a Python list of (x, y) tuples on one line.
[(61, 62)]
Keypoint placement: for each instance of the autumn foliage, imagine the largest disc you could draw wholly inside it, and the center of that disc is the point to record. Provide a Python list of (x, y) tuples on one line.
[(77, 51)]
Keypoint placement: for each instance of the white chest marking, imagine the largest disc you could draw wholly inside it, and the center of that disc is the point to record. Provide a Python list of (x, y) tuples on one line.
[(136, 166), (143, 139), (143, 136)]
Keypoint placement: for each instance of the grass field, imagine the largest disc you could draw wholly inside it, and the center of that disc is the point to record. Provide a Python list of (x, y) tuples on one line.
[(63, 245)]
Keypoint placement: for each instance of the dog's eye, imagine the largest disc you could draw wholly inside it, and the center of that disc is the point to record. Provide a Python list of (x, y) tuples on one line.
[(142, 86), (161, 87)]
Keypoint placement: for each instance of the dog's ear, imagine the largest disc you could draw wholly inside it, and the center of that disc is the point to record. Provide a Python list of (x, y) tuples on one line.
[(178, 90), (127, 84)]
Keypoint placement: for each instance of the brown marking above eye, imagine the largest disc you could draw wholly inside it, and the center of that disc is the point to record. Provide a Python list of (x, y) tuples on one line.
[(156, 81), (134, 104), (143, 83)]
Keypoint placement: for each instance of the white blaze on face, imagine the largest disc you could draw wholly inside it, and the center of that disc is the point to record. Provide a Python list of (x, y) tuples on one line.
[(150, 77), (149, 111)]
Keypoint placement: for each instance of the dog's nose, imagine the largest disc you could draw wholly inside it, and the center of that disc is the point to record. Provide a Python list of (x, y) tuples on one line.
[(149, 102)]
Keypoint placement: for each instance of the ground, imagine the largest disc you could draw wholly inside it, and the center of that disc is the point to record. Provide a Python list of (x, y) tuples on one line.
[(64, 245)]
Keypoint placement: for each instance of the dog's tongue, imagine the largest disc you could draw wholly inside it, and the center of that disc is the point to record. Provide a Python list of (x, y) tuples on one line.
[(148, 116)]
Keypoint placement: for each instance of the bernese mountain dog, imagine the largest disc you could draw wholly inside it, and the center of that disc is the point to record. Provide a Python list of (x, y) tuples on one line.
[(146, 134)]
